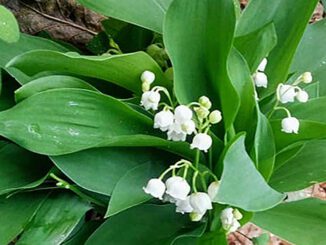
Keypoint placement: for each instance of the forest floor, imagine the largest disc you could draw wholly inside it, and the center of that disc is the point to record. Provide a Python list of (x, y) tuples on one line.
[(67, 21)]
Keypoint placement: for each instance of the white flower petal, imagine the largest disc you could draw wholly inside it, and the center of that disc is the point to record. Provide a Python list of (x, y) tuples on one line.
[(287, 93), (302, 96), (201, 202), (213, 189), (183, 206), (163, 120), (155, 187), (177, 187), (260, 79), (262, 65), (147, 77), (202, 142), (150, 100), (182, 114), (290, 125)]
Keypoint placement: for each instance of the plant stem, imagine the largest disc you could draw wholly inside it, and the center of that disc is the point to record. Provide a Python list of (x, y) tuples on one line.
[(196, 162), (64, 184)]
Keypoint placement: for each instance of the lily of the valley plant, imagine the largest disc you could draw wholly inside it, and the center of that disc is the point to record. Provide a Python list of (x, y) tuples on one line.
[(183, 121)]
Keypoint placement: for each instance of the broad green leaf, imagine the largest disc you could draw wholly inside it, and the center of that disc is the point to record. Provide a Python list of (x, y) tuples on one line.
[(20, 169), (190, 237), (145, 13), (54, 220), (291, 221), (264, 146), (308, 130), (48, 83), (290, 19), (83, 233), (243, 84), (107, 168), (287, 153), (310, 55), (9, 28), (146, 224), (25, 43), (199, 54), (7, 91), (256, 45), (310, 110), (241, 184), (129, 192), (63, 121), (124, 70), (16, 212), (304, 169)]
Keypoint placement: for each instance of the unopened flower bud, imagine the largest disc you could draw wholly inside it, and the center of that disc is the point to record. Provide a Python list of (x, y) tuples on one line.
[(195, 217), (302, 96), (237, 214), (201, 112), (145, 86), (215, 117), (205, 102), (306, 77), (213, 189), (290, 125), (147, 77)]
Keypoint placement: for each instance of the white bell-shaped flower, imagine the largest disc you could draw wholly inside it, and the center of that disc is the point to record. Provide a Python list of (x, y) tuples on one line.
[(188, 127), (155, 187), (202, 142), (213, 189), (306, 77), (183, 206), (215, 117), (163, 120), (227, 217), (182, 114), (290, 125), (201, 202), (260, 79), (177, 187), (150, 100), (287, 93), (175, 133), (262, 65), (302, 96), (196, 216), (147, 77)]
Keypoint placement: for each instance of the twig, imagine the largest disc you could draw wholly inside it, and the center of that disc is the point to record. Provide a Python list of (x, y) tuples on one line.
[(59, 20), (59, 7)]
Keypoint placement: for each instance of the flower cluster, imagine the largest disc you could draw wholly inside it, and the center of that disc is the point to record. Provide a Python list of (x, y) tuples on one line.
[(182, 120), (260, 78), (177, 190), (287, 93)]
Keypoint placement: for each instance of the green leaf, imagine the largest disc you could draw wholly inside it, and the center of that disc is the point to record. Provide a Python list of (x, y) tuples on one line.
[(145, 224), (190, 237), (199, 54), (256, 45), (307, 111), (242, 82), (287, 153), (48, 83), (108, 166), (129, 192), (63, 121), (263, 239), (145, 13), (16, 212), (26, 171), (54, 220), (310, 56), (241, 184), (264, 146), (290, 19), (83, 233), (308, 130), (9, 28), (303, 169), (291, 221), (124, 70)]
